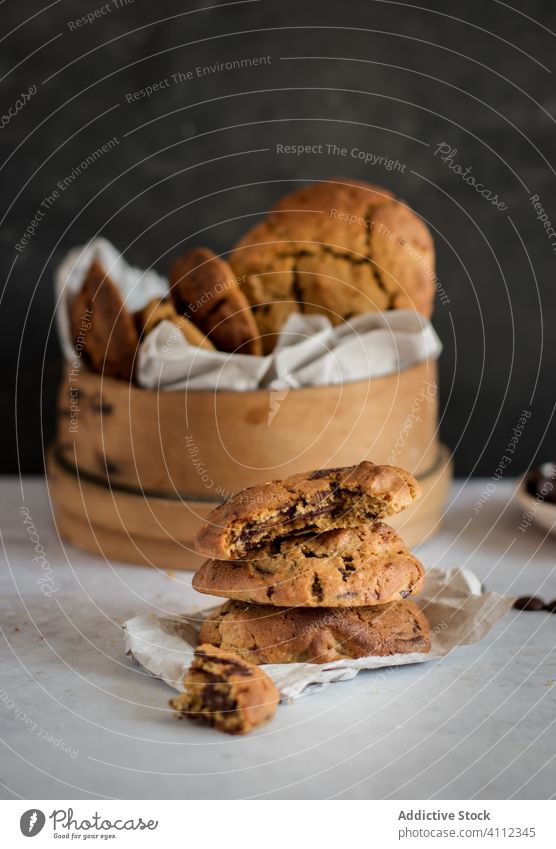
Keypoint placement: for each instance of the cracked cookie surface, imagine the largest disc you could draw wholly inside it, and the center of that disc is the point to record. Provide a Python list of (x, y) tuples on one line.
[(308, 502), (266, 634), (226, 691), (351, 567), (340, 247)]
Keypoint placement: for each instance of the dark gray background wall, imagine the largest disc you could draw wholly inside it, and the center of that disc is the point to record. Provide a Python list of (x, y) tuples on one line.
[(197, 161)]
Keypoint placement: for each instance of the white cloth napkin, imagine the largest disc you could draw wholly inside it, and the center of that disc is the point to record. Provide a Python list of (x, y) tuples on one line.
[(136, 287), (310, 351), (459, 614)]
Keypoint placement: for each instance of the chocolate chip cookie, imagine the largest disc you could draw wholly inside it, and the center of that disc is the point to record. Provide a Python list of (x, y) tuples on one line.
[(266, 634), (339, 247), (311, 502), (205, 289), (351, 567), (158, 310), (226, 691), (99, 314)]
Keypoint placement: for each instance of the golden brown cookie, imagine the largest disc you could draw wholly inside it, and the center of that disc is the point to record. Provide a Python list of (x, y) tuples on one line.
[(266, 634), (158, 310), (227, 692), (341, 568), (98, 314), (205, 290), (340, 248), (308, 502)]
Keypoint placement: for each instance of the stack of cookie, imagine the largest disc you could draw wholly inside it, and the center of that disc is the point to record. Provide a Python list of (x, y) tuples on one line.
[(311, 571)]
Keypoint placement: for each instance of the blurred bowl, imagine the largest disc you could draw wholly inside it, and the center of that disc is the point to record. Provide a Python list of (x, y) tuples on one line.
[(537, 496)]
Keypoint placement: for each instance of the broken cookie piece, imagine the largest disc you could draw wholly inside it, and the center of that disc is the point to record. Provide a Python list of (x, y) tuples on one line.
[(162, 309), (347, 567), (304, 503), (226, 691)]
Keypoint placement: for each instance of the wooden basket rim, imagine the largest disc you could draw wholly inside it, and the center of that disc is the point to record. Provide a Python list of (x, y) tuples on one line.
[(118, 384)]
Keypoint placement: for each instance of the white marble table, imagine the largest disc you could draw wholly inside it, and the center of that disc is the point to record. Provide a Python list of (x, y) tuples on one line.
[(79, 719)]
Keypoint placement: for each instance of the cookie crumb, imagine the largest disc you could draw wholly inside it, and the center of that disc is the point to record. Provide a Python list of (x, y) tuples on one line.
[(226, 692)]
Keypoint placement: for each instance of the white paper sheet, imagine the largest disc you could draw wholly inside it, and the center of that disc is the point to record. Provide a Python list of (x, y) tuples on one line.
[(458, 611), (310, 351), (137, 287)]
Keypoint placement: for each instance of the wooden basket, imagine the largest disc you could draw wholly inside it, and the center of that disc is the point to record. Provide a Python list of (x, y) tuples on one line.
[(134, 472)]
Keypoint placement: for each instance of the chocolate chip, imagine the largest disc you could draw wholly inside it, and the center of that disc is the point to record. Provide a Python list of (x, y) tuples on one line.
[(217, 700), (551, 606), (529, 602), (317, 590), (347, 569), (540, 482)]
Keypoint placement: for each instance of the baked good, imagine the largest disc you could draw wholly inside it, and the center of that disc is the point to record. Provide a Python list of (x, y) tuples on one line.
[(205, 290), (226, 691), (265, 634), (346, 567), (158, 310), (340, 247), (99, 317), (312, 501)]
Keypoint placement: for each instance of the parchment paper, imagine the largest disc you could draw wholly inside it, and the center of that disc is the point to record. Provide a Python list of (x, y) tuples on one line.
[(310, 351), (459, 613), (137, 287)]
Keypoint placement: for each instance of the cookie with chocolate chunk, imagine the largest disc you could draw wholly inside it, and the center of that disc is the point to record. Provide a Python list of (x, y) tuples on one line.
[(265, 634), (226, 691), (311, 502), (161, 309), (205, 290), (102, 323), (345, 567), (338, 247)]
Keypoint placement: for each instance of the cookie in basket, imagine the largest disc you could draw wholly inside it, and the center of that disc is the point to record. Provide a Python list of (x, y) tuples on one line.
[(99, 316), (205, 290), (340, 248), (158, 310)]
